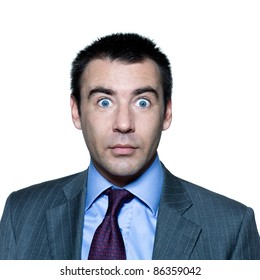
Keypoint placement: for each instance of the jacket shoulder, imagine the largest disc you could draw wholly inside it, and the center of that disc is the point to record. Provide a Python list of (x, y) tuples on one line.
[(45, 194), (204, 199), (228, 227), (203, 196)]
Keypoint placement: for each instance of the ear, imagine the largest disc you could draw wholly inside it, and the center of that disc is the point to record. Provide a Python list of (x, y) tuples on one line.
[(168, 115), (75, 112)]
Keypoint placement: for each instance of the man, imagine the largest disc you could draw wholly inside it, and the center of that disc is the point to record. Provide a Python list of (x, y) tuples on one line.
[(121, 100)]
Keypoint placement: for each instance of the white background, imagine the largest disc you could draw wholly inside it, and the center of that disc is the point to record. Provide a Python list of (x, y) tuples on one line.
[(214, 48)]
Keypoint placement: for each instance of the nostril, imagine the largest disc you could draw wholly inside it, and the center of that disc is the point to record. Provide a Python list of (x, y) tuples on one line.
[(123, 122)]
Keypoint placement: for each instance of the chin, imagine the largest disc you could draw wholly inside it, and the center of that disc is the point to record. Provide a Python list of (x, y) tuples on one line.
[(124, 171), (125, 168)]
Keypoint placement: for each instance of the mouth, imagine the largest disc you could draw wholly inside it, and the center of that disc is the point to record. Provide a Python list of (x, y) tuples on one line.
[(123, 150)]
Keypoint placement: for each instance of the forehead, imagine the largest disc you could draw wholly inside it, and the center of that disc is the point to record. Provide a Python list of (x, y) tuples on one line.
[(108, 73)]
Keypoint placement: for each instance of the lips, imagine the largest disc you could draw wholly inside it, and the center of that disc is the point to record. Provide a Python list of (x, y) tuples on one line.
[(123, 150)]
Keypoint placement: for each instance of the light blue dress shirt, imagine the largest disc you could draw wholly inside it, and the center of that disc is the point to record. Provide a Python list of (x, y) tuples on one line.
[(137, 218)]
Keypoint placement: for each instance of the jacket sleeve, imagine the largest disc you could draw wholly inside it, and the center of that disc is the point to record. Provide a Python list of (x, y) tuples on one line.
[(248, 240), (7, 238)]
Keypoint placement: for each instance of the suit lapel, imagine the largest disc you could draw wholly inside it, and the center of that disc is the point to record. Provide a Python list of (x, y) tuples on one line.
[(65, 222), (175, 236)]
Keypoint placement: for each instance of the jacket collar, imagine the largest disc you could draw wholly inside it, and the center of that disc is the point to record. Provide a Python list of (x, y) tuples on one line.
[(65, 222), (175, 235)]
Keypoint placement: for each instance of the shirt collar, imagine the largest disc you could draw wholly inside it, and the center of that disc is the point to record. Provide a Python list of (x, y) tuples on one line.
[(146, 188)]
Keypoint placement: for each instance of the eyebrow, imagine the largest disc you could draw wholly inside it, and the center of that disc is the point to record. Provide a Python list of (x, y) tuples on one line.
[(100, 90), (137, 91), (146, 89)]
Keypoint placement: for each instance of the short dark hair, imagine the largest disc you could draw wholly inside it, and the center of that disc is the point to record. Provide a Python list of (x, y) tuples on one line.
[(125, 47)]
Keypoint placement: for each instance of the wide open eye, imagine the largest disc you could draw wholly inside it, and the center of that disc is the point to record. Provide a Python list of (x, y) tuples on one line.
[(143, 103), (104, 103)]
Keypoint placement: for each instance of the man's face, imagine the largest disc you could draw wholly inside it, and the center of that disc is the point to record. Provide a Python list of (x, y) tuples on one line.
[(122, 116)]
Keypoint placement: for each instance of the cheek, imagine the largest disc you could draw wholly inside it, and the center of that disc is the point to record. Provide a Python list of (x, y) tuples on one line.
[(94, 131), (150, 131), (153, 121)]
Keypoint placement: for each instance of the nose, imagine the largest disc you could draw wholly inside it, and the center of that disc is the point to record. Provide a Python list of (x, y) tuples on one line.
[(124, 120)]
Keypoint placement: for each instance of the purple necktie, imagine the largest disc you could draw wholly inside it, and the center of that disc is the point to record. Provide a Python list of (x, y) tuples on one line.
[(107, 243)]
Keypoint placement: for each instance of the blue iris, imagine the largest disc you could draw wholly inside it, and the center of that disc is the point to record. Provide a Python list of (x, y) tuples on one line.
[(104, 103), (143, 103)]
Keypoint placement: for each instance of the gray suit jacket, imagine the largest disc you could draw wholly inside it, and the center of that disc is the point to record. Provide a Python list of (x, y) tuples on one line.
[(45, 221)]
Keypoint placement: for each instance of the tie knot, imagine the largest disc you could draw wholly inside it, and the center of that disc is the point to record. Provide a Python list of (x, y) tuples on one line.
[(116, 199)]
